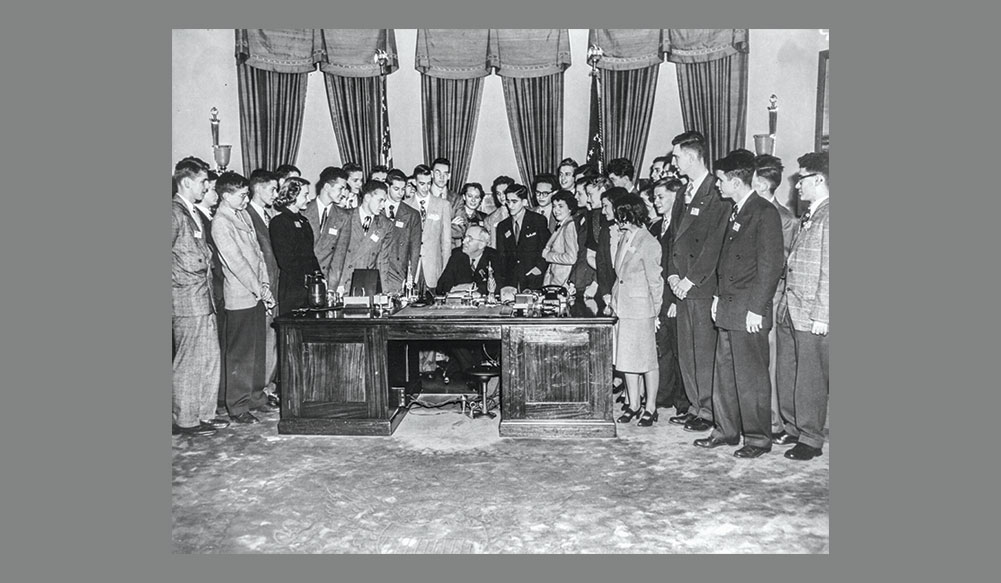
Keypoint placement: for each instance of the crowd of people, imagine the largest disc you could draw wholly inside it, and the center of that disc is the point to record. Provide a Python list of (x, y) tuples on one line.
[(721, 294)]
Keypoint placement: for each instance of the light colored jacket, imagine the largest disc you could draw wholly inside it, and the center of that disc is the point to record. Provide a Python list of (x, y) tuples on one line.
[(191, 260), (561, 253), (638, 291), (436, 237), (808, 276), (243, 267)]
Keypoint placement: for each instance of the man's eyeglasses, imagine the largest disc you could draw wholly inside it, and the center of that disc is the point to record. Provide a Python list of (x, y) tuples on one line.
[(803, 177)]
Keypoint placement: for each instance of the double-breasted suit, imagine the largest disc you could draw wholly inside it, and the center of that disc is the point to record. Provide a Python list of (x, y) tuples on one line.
[(750, 265), (403, 247), (355, 247), (519, 255), (698, 236), (671, 392), (196, 342), (261, 228), (802, 375)]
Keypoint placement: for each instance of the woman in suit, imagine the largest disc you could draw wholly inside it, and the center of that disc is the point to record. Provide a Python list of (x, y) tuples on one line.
[(292, 242), (637, 295), (561, 250)]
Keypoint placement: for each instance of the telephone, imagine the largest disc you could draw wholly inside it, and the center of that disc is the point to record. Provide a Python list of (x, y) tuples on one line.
[(554, 300)]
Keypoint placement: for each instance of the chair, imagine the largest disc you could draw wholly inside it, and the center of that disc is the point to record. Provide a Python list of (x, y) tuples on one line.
[(483, 374)]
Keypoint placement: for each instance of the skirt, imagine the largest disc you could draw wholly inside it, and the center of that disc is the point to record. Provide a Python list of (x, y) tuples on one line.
[(635, 346)]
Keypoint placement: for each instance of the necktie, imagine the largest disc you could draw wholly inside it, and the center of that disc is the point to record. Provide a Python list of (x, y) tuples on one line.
[(424, 209), (806, 217), (517, 230), (267, 216), (472, 264), (323, 219), (392, 212), (733, 215), (366, 223)]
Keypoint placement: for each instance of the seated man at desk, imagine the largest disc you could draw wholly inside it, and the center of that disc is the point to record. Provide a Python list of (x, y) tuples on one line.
[(469, 263)]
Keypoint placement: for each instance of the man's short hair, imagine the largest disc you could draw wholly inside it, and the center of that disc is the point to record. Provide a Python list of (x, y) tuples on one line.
[(189, 167), (567, 162), (328, 175), (614, 193), (261, 176), (585, 170), (671, 184), (372, 186), (737, 164), (286, 170), (213, 175), (692, 141), (442, 161), (769, 168), (818, 162), (352, 167), (484, 236), (230, 182), (663, 159), (621, 167), (600, 182), (517, 189), (395, 175), (567, 197), (422, 170), (546, 178)]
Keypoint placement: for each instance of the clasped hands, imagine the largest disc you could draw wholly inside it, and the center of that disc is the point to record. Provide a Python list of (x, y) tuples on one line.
[(752, 321), (680, 287)]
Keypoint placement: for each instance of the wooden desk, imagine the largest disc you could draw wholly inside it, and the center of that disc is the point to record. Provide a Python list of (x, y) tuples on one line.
[(556, 373)]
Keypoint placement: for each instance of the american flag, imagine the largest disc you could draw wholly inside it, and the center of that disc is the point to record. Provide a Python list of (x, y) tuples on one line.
[(386, 147), (595, 148)]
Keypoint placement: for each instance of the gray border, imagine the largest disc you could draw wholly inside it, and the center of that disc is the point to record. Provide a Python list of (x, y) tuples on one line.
[(89, 490)]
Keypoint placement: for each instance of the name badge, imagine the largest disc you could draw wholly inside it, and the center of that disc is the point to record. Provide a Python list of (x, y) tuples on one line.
[(374, 238), (736, 227), (531, 235), (399, 224), (434, 217), (297, 224), (332, 230), (198, 234), (507, 234), (695, 211)]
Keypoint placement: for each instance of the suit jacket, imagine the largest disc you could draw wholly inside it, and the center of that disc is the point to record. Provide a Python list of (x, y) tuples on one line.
[(638, 291), (356, 249), (493, 220), (436, 237), (243, 266), (217, 295), (547, 212), (582, 274), (292, 240), (403, 249), (666, 241), (561, 253), (808, 272), (790, 224), (312, 214), (264, 240), (458, 270), (191, 264), (750, 264), (603, 260), (518, 258), (698, 238), (331, 233)]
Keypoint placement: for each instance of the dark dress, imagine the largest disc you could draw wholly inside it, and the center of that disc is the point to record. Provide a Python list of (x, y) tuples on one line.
[(292, 242)]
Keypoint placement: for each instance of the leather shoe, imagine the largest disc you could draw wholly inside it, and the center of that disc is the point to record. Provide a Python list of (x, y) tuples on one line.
[(246, 418), (714, 442), (698, 425), (751, 451), (217, 423), (803, 452), (274, 401), (267, 407), (682, 419), (783, 438), (200, 429)]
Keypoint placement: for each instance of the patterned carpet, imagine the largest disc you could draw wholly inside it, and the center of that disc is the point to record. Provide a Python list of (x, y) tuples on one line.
[(445, 483)]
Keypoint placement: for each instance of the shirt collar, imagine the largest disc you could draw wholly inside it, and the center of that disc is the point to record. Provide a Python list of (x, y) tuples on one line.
[(814, 205), (259, 208), (741, 204), (697, 182), (187, 204)]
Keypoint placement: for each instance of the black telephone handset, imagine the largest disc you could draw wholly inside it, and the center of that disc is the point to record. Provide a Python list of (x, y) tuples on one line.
[(554, 292)]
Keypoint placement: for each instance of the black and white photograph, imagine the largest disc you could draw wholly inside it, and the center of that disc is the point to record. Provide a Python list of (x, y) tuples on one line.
[(500, 291)]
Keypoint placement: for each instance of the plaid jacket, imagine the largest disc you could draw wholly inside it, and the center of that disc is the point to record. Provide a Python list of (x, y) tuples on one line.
[(191, 264), (808, 280)]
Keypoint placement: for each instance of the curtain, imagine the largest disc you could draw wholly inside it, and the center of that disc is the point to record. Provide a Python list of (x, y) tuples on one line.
[(450, 108), (627, 108), (271, 111), (714, 102), (535, 115), (355, 111)]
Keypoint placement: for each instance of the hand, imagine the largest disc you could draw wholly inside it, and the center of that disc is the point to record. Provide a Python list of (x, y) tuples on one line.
[(672, 311), (656, 325), (683, 287), (712, 311), (534, 271), (672, 280), (753, 322), (819, 328)]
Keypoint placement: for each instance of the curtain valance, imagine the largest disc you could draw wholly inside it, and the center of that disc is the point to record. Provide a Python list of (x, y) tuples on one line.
[(528, 52), (351, 52), (625, 49), (452, 53), (280, 50), (702, 45)]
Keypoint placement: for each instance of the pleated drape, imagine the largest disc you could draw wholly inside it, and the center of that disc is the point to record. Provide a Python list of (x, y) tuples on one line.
[(535, 115), (355, 111), (714, 102), (627, 106), (450, 108), (271, 112)]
